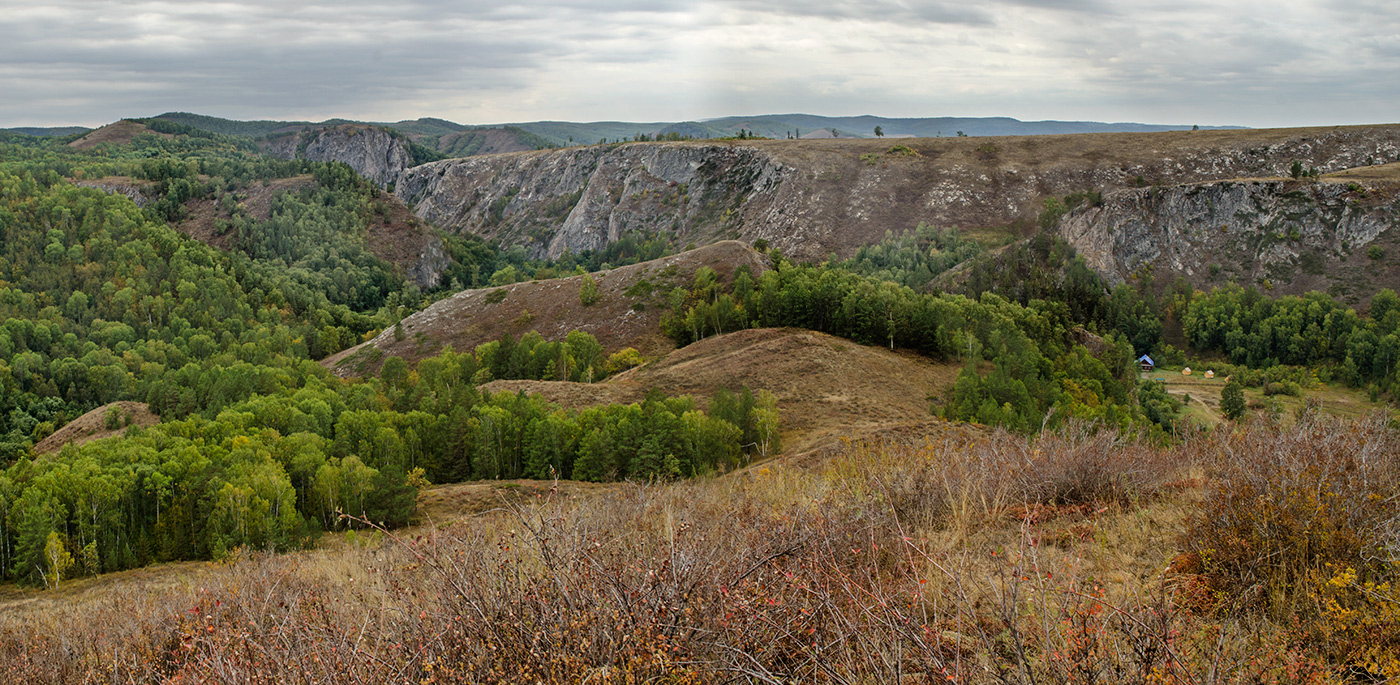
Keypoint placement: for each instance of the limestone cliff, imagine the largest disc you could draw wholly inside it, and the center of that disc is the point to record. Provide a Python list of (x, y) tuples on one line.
[(811, 198), (583, 198), (372, 152), (1287, 236)]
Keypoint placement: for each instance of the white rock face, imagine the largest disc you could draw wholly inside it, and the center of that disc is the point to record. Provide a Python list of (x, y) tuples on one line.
[(814, 198), (372, 152), (584, 198), (1288, 234)]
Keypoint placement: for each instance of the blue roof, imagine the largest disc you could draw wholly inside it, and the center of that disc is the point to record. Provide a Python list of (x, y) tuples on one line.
[(1145, 358)]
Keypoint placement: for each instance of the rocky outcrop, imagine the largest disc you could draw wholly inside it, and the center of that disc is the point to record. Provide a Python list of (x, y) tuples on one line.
[(811, 198), (584, 198), (372, 152), (1288, 236), (139, 192), (426, 273)]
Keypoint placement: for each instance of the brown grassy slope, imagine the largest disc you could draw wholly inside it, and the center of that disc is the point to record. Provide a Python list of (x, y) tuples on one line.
[(92, 426), (395, 235), (876, 555), (1378, 173), (497, 140), (551, 307), (827, 388), (118, 133)]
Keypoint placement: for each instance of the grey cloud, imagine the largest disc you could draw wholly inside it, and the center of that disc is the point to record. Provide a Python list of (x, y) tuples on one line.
[(1198, 60), (879, 10)]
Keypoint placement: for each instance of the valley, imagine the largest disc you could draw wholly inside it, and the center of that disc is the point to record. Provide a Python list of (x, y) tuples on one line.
[(809, 409)]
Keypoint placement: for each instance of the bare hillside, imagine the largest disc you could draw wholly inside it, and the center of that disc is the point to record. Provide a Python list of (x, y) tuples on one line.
[(93, 425), (828, 388), (627, 314), (118, 133)]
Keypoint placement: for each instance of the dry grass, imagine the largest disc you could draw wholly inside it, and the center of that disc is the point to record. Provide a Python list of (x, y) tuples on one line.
[(1378, 173), (1290, 506), (92, 426), (116, 133), (951, 560), (827, 388)]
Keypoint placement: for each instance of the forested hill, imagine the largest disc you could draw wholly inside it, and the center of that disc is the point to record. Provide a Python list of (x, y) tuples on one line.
[(103, 299)]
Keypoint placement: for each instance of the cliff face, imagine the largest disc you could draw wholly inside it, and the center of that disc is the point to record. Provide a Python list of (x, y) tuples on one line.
[(1286, 236), (372, 152), (139, 192), (584, 198), (811, 198)]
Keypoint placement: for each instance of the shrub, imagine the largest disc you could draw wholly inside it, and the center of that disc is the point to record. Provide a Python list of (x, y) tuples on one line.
[(623, 360), (112, 418), (1288, 508), (1232, 403), (949, 484)]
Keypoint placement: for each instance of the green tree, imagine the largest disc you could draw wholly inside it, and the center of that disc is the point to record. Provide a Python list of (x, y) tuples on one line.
[(1232, 403), (765, 419), (56, 559), (879, 132), (588, 293)]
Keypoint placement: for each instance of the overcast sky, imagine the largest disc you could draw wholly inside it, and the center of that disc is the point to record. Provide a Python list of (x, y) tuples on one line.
[(1247, 62)]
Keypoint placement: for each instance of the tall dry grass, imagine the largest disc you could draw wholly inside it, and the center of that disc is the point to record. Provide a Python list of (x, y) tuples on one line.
[(1002, 561)]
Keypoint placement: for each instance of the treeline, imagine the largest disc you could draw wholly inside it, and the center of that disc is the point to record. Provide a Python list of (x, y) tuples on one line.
[(274, 470), (480, 264), (1280, 345), (1046, 267), (468, 436), (1312, 330)]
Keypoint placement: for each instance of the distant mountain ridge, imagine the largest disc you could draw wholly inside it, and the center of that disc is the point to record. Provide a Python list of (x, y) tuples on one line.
[(45, 131), (446, 136)]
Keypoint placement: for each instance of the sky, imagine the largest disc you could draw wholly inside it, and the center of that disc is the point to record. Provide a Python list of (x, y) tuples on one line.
[(1244, 62)]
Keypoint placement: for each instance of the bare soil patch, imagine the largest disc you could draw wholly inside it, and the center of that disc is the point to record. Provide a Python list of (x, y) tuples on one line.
[(396, 235)]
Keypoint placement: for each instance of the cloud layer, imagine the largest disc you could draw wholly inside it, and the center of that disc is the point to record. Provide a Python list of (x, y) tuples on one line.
[(1276, 63)]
